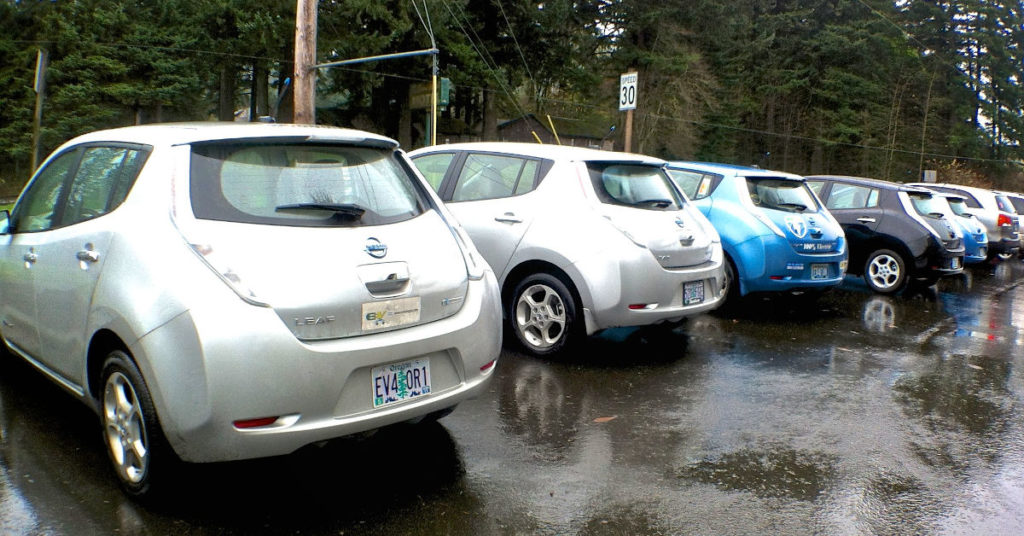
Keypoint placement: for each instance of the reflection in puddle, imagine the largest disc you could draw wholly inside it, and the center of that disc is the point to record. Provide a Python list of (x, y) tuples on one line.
[(774, 472), (879, 314)]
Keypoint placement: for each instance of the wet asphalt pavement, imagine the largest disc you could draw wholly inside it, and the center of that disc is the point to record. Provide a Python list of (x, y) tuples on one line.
[(854, 414)]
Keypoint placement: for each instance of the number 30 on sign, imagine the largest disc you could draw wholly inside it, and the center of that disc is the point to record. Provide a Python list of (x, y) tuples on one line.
[(627, 91)]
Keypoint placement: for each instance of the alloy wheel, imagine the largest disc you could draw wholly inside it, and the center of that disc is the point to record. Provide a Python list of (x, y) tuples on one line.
[(124, 425), (540, 316)]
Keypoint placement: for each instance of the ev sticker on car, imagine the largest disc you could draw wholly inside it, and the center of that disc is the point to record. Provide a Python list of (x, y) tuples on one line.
[(797, 226)]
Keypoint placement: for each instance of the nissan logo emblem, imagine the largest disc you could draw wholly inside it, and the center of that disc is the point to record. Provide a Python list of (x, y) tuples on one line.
[(375, 248)]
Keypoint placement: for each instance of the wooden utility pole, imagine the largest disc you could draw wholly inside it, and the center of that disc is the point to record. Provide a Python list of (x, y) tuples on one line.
[(304, 87), (37, 119), (627, 103)]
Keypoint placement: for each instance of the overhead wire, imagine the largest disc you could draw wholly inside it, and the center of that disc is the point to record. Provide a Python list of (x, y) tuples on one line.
[(487, 62)]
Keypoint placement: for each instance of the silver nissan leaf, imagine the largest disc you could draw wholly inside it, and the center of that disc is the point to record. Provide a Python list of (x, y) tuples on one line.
[(220, 291)]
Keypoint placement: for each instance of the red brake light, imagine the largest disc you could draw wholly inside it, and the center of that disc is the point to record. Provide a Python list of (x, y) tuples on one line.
[(1004, 220)]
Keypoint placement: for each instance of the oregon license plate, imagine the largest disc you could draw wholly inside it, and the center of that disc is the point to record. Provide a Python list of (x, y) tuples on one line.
[(400, 381), (693, 292), (954, 263), (819, 271), (390, 313)]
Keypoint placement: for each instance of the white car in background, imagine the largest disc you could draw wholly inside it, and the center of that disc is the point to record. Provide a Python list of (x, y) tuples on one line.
[(221, 291), (582, 240)]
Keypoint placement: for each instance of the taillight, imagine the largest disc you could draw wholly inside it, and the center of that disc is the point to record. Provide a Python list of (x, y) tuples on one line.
[(1005, 220)]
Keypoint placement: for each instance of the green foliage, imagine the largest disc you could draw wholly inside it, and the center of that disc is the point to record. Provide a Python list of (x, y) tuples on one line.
[(869, 87)]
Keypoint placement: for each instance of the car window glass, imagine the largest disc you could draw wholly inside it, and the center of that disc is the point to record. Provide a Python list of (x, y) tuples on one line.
[(528, 178), (301, 185), (487, 176), (433, 167), (929, 205), (1018, 203), (37, 209), (844, 196), (693, 183), (102, 182), (1004, 204), (958, 205), (781, 194), (634, 185), (815, 186)]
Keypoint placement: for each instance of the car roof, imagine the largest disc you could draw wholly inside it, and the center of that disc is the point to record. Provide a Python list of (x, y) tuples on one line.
[(185, 133), (732, 169), (877, 183), (537, 150), (965, 188)]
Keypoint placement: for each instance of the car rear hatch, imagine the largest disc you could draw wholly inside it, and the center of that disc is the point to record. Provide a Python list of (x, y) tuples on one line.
[(338, 239), (794, 213), (639, 200), (934, 212)]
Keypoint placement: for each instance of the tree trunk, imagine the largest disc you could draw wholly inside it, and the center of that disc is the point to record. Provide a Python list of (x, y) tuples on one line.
[(490, 132), (226, 106)]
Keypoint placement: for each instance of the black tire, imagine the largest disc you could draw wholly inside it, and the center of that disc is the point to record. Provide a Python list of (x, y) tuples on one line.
[(542, 315), (732, 284), (885, 272), (134, 442)]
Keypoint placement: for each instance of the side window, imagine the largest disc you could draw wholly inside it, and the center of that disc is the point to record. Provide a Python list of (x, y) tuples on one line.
[(37, 210), (433, 167), (815, 186), (845, 196), (486, 176), (102, 182), (694, 184)]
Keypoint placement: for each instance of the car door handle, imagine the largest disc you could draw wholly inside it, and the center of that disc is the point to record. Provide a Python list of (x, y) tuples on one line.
[(508, 217), (865, 219), (30, 257), (88, 255)]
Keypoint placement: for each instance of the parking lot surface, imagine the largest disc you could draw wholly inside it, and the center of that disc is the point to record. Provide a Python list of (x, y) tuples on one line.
[(852, 414)]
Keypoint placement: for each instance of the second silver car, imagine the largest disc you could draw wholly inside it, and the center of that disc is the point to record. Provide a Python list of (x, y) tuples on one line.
[(581, 240)]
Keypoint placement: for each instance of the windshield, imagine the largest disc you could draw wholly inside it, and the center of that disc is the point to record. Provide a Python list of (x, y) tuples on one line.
[(301, 185), (634, 185), (930, 205), (781, 194)]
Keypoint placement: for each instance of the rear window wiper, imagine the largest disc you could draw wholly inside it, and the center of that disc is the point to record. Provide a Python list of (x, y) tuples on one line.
[(341, 209), (659, 203)]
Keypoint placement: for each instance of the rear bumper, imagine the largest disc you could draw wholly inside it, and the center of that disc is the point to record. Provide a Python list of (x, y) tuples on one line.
[(638, 279), (235, 362), (1003, 246), (770, 264)]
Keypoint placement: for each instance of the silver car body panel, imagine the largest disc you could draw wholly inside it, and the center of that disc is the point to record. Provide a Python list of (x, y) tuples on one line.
[(211, 358)]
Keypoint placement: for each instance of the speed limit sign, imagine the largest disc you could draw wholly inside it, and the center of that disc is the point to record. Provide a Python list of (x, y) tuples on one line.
[(627, 91)]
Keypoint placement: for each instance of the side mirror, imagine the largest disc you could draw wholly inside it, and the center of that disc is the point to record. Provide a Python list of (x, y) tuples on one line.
[(5, 222)]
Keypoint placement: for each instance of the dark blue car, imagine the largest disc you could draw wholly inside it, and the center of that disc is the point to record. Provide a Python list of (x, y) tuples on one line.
[(776, 234)]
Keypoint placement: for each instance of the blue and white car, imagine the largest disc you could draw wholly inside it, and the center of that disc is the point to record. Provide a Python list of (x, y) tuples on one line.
[(776, 233), (975, 236)]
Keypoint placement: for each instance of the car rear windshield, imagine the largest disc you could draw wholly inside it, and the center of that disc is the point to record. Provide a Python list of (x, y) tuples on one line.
[(959, 206), (634, 185), (930, 205), (301, 185), (781, 194)]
